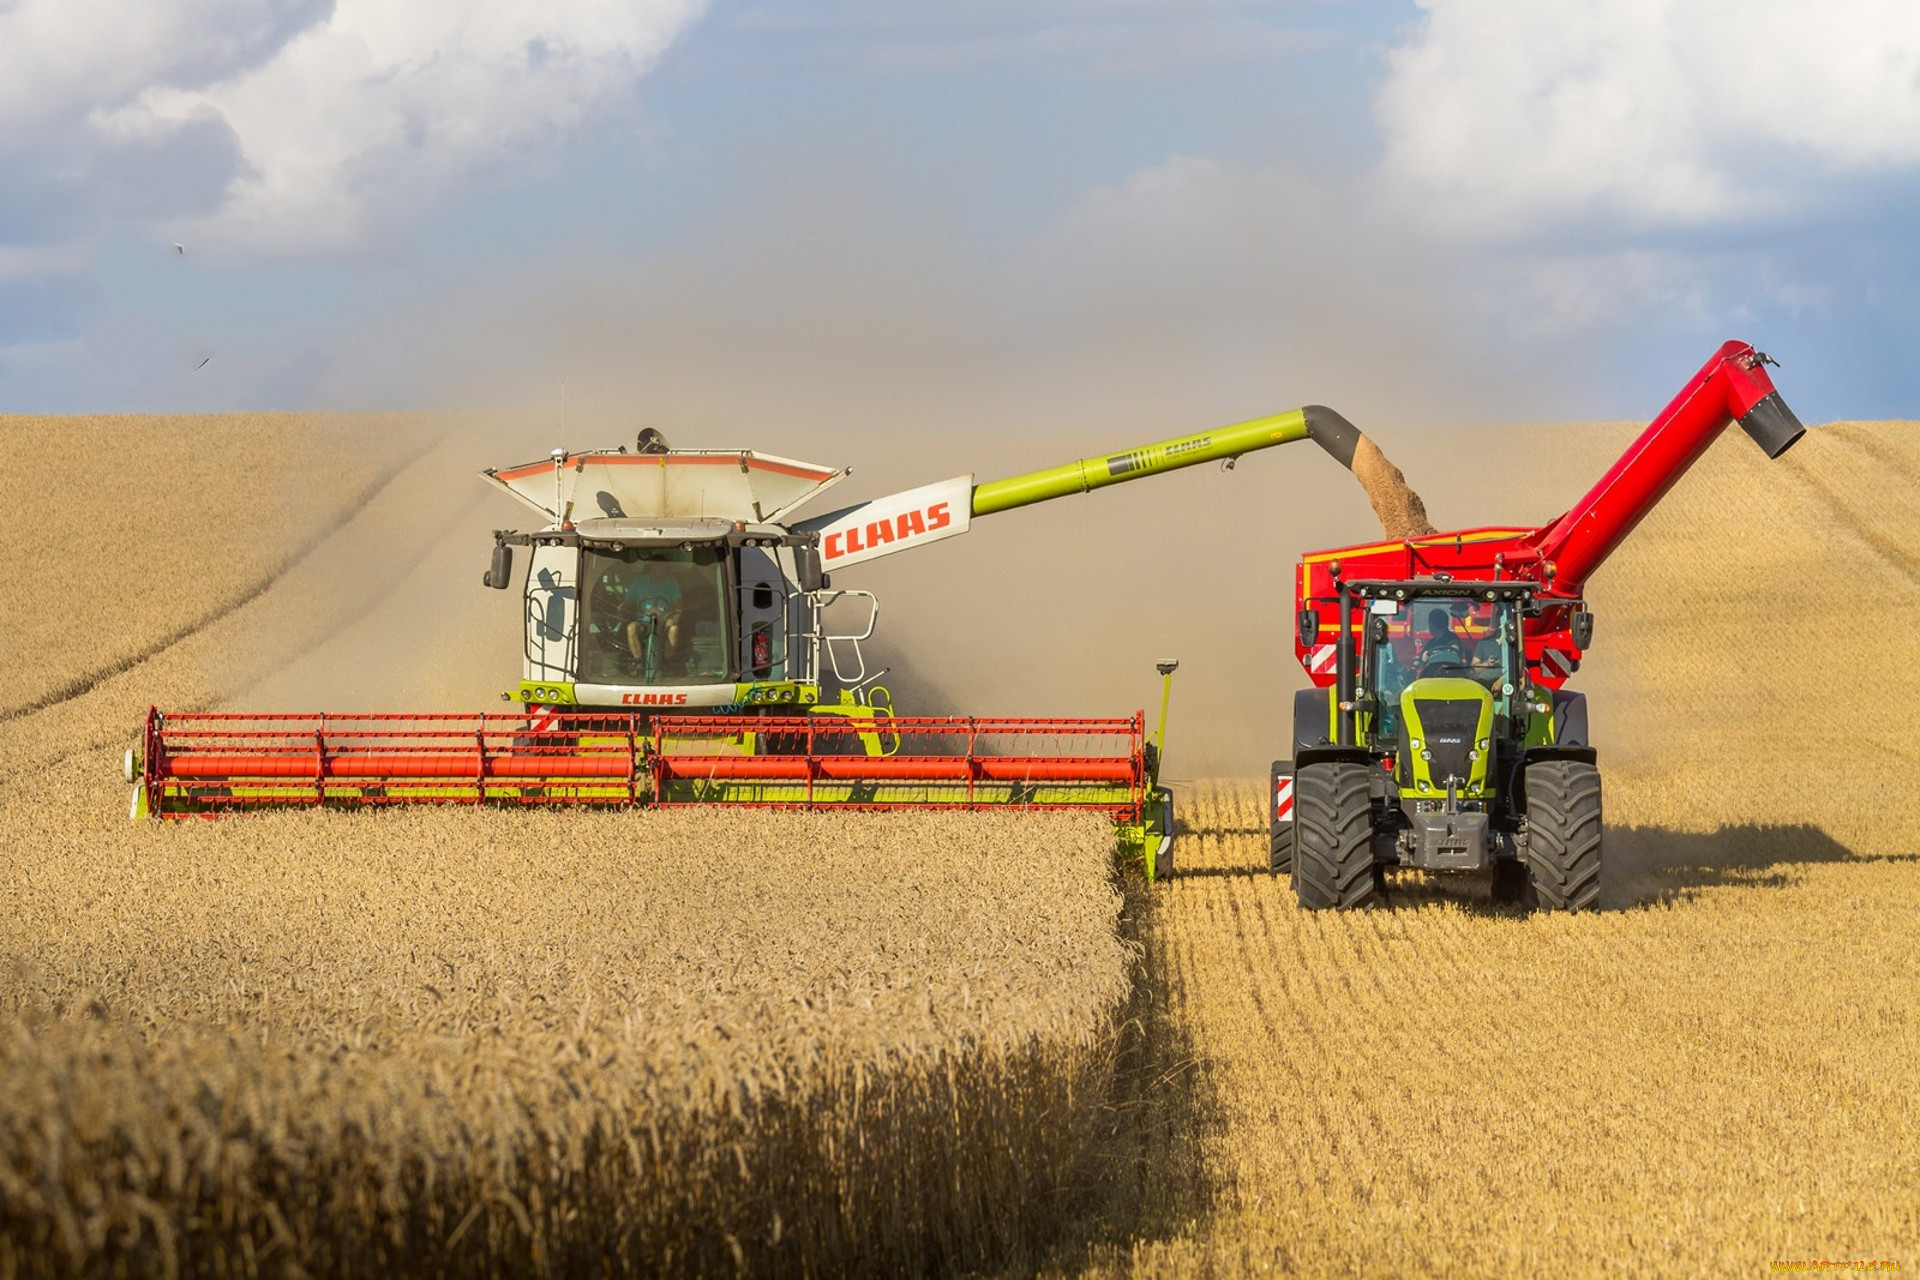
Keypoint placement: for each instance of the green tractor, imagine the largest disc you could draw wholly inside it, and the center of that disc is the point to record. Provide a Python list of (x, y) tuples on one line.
[(1454, 760), (1437, 733)]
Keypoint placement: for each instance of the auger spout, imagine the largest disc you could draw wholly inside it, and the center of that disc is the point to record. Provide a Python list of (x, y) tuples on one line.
[(931, 513), (1731, 387), (1322, 425)]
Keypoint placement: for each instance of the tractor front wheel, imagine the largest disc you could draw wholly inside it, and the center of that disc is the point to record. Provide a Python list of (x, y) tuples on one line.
[(1563, 836), (1333, 850)]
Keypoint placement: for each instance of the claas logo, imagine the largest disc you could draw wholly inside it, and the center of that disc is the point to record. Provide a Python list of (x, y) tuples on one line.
[(654, 699), (906, 525)]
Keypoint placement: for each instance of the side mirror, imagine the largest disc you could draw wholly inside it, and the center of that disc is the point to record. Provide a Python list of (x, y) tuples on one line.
[(500, 572), (811, 579), (1307, 627), (1582, 629)]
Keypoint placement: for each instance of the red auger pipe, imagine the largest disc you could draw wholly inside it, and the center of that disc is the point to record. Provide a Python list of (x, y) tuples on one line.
[(1731, 387)]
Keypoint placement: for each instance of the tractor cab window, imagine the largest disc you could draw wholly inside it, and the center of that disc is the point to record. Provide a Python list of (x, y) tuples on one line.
[(1436, 637), (652, 615)]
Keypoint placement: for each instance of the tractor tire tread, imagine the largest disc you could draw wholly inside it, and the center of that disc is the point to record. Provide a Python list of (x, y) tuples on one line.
[(1280, 849), (1333, 868), (1564, 826), (1280, 834)]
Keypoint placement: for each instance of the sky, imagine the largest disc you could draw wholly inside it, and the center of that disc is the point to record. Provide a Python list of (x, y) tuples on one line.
[(757, 217)]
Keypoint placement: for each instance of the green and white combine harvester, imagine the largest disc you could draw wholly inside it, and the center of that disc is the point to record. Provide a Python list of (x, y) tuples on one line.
[(686, 643)]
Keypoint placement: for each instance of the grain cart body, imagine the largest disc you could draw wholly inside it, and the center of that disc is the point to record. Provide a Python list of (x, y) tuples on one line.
[(1438, 733)]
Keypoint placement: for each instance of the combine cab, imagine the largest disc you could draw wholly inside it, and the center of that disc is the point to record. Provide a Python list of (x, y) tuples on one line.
[(683, 590)]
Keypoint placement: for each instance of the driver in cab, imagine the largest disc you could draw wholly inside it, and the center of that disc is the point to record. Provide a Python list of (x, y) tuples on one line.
[(656, 599), (1443, 647)]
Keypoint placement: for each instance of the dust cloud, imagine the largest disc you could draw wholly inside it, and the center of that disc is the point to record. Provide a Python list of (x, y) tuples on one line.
[(845, 323)]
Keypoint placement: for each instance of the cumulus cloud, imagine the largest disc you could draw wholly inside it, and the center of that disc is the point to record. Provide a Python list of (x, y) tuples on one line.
[(296, 128), (61, 60), (1641, 114)]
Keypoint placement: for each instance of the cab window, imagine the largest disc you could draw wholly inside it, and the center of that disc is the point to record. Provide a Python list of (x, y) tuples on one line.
[(1433, 637), (652, 615)]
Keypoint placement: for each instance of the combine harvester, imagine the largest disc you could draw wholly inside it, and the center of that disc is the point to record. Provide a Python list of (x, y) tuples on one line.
[(678, 651), (1438, 734)]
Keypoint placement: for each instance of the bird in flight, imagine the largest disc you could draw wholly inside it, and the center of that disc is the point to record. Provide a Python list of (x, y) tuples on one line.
[(178, 247)]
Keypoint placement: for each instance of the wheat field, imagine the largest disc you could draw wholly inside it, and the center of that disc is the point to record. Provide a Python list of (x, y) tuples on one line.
[(1715, 1073), (448, 1042), (492, 1043)]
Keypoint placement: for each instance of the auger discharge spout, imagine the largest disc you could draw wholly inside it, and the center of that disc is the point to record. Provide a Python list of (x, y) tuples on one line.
[(1731, 387), (1331, 431)]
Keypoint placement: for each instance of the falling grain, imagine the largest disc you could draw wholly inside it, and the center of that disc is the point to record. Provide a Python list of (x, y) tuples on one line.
[(1401, 512)]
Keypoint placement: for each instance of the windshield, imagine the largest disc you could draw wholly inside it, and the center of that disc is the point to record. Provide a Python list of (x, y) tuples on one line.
[(652, 615), (1437, 636)]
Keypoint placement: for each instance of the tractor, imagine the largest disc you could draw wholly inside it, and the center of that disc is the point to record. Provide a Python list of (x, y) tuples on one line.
[(1438, 733)]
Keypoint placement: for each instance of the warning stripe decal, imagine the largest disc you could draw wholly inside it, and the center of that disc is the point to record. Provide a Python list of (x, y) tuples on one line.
[(1283, 799), (1556, 662), (1322, 659)]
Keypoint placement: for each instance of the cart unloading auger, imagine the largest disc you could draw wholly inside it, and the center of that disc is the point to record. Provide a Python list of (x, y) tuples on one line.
[(685, 644), (1437, 734)]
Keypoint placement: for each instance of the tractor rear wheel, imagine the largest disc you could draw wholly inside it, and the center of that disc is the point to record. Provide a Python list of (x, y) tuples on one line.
[(1333, 853), (1563, 836), (1280, 848)]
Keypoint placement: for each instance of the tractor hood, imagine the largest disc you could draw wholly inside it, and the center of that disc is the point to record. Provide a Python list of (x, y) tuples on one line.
[(683, 484)]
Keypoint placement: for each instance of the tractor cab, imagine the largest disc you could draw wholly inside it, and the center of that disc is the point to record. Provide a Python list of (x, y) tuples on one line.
[(1443, 681), (1443, 645)]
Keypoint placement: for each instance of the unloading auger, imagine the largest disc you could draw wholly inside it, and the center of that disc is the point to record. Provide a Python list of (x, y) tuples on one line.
[(685, 643)]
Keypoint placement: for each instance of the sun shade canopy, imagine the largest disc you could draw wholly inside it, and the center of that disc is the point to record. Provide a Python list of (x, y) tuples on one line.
[(731, 484)]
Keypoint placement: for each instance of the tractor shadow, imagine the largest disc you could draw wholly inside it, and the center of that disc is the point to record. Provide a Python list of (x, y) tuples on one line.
[(1643, 866), (1652, 865)]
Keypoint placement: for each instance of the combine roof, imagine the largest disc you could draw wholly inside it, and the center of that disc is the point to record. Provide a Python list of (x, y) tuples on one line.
[(725, 484)]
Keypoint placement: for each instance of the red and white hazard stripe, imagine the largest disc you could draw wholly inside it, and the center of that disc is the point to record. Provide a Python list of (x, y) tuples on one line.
[(1322, 659), (1557, 663), (1283, 799), (540, 719)]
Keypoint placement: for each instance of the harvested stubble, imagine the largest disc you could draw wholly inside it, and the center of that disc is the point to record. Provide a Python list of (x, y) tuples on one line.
[(1715, 1076), (1715, 1073), (561, 1043)]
